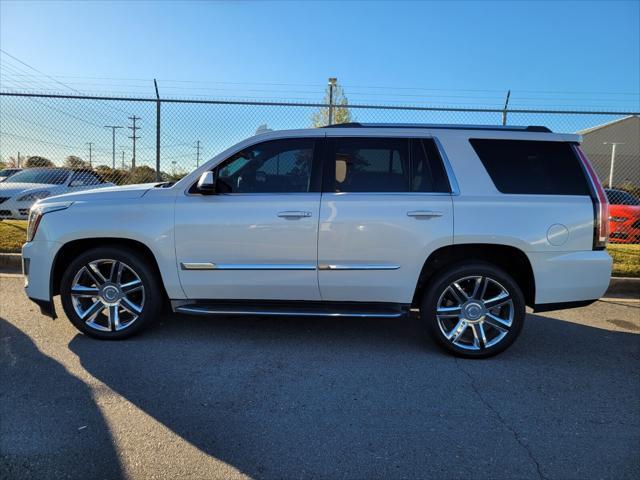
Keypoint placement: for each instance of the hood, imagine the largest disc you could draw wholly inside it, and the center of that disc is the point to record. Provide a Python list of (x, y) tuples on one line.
[(11, 189), (104, 193)]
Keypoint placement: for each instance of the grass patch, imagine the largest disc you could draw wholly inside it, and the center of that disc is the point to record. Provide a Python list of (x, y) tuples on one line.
[(626, 260), (13, 234)]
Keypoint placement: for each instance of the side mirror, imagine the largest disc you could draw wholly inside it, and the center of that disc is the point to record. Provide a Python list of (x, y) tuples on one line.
[(207, 183)]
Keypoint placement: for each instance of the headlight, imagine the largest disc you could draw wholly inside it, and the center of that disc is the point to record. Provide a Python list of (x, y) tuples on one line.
[(36, 213), (34, 196), (618, 219)]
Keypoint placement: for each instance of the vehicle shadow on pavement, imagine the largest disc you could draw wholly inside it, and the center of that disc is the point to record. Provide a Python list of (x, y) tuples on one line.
[(57, 434), (283, 398)]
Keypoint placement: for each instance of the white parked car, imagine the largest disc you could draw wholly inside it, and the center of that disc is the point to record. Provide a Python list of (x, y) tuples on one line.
[(468, 224), (21, 190)]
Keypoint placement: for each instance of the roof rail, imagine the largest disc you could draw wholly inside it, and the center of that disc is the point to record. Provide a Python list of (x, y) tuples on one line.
[(453, 126)]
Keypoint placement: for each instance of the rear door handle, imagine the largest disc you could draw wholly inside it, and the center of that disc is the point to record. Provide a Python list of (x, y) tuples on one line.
[(294, 214), (424, 213)]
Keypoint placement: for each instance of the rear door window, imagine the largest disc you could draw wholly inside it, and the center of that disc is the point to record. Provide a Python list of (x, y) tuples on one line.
[(369, 164), (532, 167)]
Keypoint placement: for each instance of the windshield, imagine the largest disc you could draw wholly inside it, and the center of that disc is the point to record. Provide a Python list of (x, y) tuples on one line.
[(7, 171), (56, 177)]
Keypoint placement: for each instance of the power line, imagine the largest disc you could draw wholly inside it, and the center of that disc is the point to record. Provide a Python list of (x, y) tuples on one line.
[(49, 76)]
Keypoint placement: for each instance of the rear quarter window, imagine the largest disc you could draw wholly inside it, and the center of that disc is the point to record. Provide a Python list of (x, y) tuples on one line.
[(532, 167)]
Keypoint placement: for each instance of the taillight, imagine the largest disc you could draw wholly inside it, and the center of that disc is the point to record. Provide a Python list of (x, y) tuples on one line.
[(601, 204)]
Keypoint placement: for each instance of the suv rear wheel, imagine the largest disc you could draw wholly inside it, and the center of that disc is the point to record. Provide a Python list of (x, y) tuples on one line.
[(110, 293), (474, 310)]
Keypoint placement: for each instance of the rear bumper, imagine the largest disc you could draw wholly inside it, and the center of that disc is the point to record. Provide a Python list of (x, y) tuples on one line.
[(546, 307), (568, 277)]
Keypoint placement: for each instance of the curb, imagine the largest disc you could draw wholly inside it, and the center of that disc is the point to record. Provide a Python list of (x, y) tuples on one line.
[(623, 286), (619, 286), (11, 262)]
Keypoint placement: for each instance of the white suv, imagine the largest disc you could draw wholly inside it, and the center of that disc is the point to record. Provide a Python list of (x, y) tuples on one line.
[(468, 224)]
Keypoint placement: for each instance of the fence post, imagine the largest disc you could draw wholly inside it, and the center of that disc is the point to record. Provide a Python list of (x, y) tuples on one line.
[(504, 111), (155, 84)]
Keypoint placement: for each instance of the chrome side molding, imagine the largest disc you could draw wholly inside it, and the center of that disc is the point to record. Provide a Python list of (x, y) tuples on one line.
[(246, 266), (356, 266), (198, 266), (283, 266)]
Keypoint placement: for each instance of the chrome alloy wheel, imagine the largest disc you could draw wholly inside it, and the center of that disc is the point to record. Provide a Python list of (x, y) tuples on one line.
[(475, 312), (108, 295)]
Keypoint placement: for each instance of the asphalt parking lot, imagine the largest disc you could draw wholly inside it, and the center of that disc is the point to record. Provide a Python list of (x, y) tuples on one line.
[(298, 398)]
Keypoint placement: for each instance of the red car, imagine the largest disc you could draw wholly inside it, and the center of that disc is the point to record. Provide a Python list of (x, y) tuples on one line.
[(624, 215)]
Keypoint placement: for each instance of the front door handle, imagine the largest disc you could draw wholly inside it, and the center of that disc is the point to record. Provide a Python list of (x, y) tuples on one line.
[(294, 214), (424, 213)]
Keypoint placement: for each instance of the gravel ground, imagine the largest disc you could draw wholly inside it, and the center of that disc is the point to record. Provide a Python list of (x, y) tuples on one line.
[(299, 398)]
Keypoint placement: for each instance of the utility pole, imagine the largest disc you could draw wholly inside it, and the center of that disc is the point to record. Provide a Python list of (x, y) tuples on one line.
[(613, 159), (90, 156), (134, 137), (506, 105), (122, 148), (197, 153), (332, 84), (113, 144), (18, 165)]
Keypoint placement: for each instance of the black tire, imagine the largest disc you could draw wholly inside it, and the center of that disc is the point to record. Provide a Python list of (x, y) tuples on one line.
[(476, 331), (148, 301)]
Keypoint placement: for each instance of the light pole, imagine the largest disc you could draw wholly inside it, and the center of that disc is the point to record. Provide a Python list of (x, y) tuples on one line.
[(113, 144), (332, 84), (613, 159)]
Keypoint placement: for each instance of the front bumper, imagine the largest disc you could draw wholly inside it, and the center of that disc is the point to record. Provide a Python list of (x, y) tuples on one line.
[(37, 262)]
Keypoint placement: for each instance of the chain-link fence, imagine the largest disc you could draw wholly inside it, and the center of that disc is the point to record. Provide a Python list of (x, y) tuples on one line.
[(115, 140)]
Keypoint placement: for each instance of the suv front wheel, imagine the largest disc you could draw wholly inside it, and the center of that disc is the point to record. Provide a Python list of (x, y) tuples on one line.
[(474, 310), (110, 293)]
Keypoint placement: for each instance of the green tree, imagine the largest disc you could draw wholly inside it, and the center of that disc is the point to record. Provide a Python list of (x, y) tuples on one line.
[(73, 161), (117, 176), (175, 176), (341, 113), (143, 174), (36, 161)]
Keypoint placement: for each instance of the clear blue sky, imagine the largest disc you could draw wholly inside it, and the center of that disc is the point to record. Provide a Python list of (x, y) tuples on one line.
[(550, 54)]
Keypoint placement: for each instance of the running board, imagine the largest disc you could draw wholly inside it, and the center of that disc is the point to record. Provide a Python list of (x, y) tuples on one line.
[(294, 309)]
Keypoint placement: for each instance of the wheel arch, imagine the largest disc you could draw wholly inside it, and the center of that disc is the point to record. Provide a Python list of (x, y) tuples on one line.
[(511, 259), (74, 248)]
